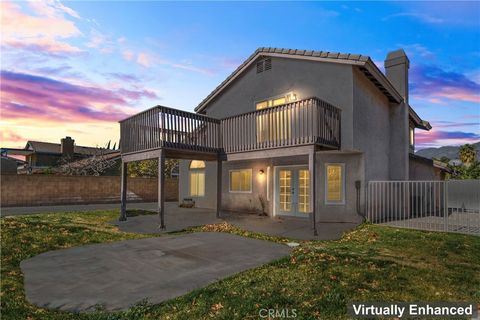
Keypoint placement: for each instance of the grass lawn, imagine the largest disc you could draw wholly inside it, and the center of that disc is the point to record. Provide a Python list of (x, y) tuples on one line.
[(371, 263)]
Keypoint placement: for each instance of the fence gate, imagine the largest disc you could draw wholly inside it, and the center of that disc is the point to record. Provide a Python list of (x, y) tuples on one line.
[(451, 206)]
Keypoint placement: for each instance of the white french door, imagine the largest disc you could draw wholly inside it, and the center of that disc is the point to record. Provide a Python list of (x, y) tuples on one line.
[(292, 191)]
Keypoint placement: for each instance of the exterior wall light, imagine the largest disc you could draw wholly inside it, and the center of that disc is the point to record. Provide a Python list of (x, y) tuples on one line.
[(261, 172)]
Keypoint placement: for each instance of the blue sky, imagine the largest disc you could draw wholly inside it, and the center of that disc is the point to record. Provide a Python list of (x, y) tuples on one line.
[(117, 58)]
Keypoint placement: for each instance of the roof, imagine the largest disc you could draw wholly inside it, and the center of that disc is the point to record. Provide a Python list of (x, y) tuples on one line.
[(419, 123), (55, 148), (365, 64), (434, 163)]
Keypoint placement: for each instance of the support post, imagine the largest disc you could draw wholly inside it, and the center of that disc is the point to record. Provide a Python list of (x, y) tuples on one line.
[(123, 193), (313, 188), (219, 187), (161, 188)]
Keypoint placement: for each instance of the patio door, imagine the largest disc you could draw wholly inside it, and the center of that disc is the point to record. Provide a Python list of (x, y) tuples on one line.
[(292, 191)]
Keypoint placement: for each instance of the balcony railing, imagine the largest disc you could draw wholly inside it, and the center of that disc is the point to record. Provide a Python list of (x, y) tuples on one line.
[(162, 127), (308, 121)]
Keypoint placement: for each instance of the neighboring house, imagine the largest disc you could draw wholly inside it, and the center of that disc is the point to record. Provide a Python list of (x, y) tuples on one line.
[(301, 131), (40, 154), (8, 165)]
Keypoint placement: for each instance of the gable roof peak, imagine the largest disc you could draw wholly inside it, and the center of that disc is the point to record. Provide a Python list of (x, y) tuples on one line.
[(359, 60)]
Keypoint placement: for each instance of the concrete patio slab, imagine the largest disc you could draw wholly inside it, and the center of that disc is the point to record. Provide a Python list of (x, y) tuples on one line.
[(289, 227), (117, 275), (176, 219)]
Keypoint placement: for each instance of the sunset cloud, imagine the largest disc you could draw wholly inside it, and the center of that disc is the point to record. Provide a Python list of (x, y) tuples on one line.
[(143, 59), (44, 32), (431, 82), (434, 138), (36, 97)]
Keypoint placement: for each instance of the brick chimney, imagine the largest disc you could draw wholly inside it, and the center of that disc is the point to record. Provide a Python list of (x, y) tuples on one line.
[(67, 147), (396, 68)]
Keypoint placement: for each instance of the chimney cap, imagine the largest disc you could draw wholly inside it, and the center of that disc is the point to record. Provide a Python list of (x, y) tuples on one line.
[(396, 57)]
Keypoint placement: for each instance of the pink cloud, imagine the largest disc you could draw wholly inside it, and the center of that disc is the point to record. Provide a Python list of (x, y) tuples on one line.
[(48, 45), (10, 136), (434, 138), (143, 59), (26, 96), (433, 83), (44, 32)]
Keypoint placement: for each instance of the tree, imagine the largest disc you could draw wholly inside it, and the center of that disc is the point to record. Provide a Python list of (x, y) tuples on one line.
[(96, 165), (149, 168), (467, 154)]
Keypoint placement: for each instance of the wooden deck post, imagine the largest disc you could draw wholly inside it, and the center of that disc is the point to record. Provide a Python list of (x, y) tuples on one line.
[(123, 193), (161, 188), (219, 187), (313, 188)]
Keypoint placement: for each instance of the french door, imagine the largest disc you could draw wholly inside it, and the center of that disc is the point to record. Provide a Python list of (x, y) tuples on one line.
[(292, 192)]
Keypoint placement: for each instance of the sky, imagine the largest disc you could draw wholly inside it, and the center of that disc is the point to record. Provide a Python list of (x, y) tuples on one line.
[(74, 68)]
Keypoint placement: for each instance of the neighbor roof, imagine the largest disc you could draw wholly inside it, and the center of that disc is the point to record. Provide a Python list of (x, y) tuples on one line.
[(55, 148), (365, 64)]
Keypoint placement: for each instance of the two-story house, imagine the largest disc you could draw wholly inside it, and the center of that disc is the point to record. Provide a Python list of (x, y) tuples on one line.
[(289, 132)]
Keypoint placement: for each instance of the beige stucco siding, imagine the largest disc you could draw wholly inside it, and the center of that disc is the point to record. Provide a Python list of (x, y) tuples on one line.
[(371, 127), (331, 82), (263, 185)]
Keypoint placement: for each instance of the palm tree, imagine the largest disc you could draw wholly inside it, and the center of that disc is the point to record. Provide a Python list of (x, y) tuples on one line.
[(467, 154)]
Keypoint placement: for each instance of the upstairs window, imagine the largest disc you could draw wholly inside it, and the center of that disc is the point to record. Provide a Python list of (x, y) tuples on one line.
[(278, 125), (412, 137), (276, 101)]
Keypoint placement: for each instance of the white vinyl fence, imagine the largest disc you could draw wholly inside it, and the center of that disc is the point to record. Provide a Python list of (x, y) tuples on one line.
[(451, 206)]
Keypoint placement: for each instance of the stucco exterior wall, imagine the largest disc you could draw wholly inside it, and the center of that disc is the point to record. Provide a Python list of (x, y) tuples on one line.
[(371, 127), (331, 82), (424, 170), (354, 170), (263, 185), (209, 201)]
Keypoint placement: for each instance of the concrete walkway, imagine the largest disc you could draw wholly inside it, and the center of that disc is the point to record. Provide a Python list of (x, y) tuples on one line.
[(117, 275), (14, 211)]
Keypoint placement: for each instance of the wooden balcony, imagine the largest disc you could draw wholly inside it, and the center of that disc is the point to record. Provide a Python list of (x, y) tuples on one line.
[(162, 127), (305, 122)]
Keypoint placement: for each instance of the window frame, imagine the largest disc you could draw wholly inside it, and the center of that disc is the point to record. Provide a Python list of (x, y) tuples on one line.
[(411, 136), (285, 95), (197, 171), (230, 178), (343, 182)]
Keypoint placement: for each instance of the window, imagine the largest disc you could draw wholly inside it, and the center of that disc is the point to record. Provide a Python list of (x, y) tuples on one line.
[(277, 126), (197, 164), (276, 101), (241, 180), (412, 137), (335, 183), (197, 178)]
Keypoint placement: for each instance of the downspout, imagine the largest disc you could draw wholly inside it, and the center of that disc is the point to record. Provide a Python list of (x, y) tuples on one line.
[(358, 185)]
